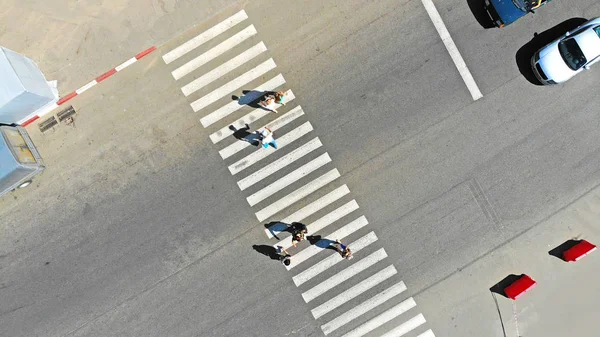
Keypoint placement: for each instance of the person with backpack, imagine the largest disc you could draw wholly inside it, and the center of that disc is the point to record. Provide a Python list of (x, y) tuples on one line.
[(343, 249)]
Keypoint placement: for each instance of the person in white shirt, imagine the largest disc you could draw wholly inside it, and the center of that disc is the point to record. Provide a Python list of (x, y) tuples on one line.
[(268, 103), (266, 138)]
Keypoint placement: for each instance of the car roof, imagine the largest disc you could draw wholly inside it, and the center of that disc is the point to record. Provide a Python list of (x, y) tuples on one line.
[(589, 43)]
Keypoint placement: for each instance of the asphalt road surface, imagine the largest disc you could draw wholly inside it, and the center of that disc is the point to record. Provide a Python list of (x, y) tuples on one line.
[(150, 219)]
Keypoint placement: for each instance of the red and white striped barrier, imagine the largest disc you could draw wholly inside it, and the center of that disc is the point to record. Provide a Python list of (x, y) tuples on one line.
[(83, 89)]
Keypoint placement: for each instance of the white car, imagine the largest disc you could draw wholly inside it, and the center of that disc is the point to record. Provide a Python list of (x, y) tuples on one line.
[(566, 57)]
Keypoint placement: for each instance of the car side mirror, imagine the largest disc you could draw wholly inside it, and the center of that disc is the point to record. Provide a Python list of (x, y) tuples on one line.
[(586, 67), (567, 34)]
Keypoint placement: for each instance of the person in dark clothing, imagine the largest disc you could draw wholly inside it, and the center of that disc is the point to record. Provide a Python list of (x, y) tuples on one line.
[(284, 256), (298, 232)]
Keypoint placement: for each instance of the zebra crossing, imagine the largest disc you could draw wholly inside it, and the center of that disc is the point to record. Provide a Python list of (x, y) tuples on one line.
[(294, 183)]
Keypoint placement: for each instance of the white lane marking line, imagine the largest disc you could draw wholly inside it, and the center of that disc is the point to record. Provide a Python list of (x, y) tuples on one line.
[(232, 85), (308, 210), (363, 308), (214, 52), (274, 126), (405, 327), (251, 117), (126, 64), (234, 106), (223, 69), (345, 274), (278, 164), (427, 333), (205, 36), (262, 153), (356, 290), (322, 244), (452, 49), (324, 221), (289, 179), (86, 87), (383, 318), (298, 194), (332, 260)]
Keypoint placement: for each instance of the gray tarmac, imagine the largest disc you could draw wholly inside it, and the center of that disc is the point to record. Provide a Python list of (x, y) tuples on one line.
[(137, 228)]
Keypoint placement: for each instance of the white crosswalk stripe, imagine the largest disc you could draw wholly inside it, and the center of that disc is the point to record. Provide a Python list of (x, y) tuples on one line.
[(356, 290), (383, 318), (355, 287), (341, 233), (308, 210), (364, 307), (232, 85), (325, 221), (274, 126), (213, 53), (345, 274), (223, 69), (234, 106), (262, 153), (405, 327), (427, 333), (332, 260), (205, 36), (298, 194), (288, 179), (251, 117), (280, 163)]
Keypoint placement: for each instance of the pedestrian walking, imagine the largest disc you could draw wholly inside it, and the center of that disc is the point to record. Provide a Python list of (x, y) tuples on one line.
[(280, 97), (343, 250), (266, 138), (268, 103), (284, 256), (298, 232)]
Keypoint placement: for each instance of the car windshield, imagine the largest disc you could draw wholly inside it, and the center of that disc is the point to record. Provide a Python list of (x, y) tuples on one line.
[(527, 5), (571, 53)]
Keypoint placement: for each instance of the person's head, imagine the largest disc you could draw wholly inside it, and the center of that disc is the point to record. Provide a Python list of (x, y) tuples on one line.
[(286, 261)]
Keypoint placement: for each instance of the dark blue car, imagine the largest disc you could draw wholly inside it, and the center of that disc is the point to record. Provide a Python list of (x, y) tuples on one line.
[(505, 12)]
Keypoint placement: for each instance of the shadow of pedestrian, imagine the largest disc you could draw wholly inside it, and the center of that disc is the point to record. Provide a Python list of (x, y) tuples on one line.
[(320, 242), (499, 287), (243, 135), (480, 13), (250, 98), (558, 251), (526, 52), (267, 250), (275, 227)]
